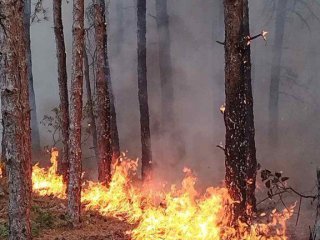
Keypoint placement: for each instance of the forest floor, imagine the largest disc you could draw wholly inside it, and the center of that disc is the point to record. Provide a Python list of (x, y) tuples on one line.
[(49, 221)]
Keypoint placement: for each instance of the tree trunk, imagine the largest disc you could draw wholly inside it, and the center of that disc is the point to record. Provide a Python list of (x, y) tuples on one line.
[(103, 98), (92, 120), (114, 127), (165, 65), (276, 71), (35, 136), (75, 169), (167, 90), (146, 158), (16, 119), (238, 115), (249, 128), (63, 86)]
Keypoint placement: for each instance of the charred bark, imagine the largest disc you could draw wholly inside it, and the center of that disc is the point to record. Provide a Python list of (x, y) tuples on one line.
[(63, 86), (240, 149), (146, 158), (249, 128), (103, 98), (276, 71), (92, 119), (35, 136), (16, 119), (114, 127), (75, 169)]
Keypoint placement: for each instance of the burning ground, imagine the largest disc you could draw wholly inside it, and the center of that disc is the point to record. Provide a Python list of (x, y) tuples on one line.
[(125, 210)]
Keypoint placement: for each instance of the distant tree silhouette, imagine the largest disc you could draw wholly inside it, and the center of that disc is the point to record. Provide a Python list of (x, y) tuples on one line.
[(34, 122)]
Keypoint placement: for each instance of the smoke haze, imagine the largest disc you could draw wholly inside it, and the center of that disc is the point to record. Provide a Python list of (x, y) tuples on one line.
[(198, 76)]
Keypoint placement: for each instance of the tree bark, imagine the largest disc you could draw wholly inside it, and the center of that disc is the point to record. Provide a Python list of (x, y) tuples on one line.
[(250, 130), (276, 71), (16, 119), (2, 79), (114, 127), (146, 158), (240, 150), (92, 119), (103, 98), (63, 86), (35, 136), (75, 169)]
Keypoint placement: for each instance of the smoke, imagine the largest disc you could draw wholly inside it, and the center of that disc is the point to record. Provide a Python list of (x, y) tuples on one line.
[(198, 75)]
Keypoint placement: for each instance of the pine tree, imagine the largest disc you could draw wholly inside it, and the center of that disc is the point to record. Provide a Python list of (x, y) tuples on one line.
[(103, 98), (63, 86), (75, 168), (240, 148), (146, 158), (34, 120), (281, 13), (16, 118)]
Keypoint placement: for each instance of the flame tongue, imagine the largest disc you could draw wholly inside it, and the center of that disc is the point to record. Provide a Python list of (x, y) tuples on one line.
[(181, 213), (47, 182)]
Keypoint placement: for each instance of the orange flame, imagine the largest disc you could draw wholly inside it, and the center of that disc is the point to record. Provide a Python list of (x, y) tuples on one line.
[(181, 213), (47, 182)]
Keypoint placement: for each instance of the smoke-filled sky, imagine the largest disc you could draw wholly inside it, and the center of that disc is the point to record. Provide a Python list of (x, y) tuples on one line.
[(198, 65)]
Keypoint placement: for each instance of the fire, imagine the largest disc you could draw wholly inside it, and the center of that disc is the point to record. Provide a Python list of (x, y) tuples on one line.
[(180, 213), (120, 199), (48, 182)]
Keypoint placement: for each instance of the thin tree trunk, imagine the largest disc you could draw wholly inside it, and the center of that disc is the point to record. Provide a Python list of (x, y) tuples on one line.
[(165, 65), (35, 136), (16, 119), (238, 115), (75, 169), (63, 86), (276, 71), (114, 126), (103, 98), (92, 120), (146, 158), (168, 125)]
